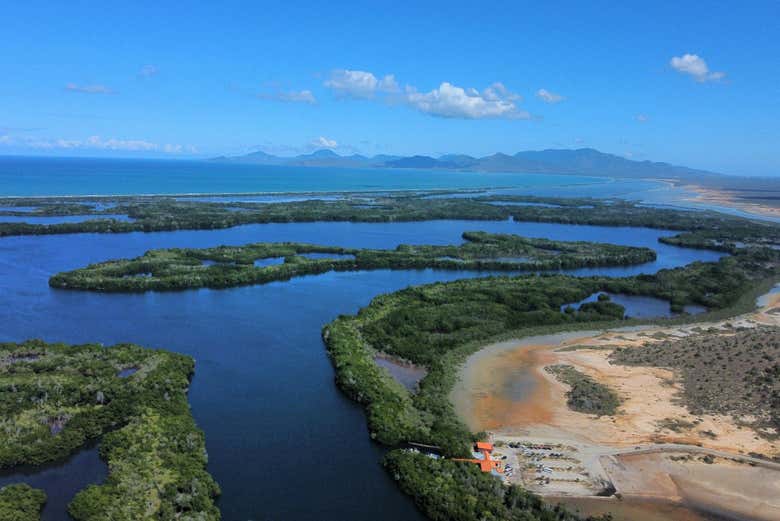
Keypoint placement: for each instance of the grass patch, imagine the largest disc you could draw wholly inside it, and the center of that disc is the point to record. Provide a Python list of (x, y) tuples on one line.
[(585, 394)]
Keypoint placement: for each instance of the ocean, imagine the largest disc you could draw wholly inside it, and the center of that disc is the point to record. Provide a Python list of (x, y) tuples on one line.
[(28, 176)]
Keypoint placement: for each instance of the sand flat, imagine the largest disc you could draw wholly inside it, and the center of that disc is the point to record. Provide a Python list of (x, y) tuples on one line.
[(503, 389)]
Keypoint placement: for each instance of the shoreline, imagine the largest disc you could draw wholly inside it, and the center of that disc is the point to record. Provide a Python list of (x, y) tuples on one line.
[(596, 180), (504, 390), (724, 198)]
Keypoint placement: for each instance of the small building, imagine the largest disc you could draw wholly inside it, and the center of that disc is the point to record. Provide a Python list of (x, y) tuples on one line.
[(486, 463)]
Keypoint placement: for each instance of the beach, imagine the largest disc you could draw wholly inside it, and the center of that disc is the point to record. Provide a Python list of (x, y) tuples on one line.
[(730, 199)]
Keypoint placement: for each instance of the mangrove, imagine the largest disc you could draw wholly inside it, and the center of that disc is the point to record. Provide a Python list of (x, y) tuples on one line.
[(260, 263)]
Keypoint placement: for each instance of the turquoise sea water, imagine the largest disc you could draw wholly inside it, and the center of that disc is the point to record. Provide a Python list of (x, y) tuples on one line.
[(21, 176), (30, 176)]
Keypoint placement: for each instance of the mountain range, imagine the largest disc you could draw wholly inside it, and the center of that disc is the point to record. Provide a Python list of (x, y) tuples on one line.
[(583, 161)]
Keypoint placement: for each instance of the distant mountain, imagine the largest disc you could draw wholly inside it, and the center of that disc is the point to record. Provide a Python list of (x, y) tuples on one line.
[(420, 162), (323, 157), (583, 161), (462, 160), (588, 161)]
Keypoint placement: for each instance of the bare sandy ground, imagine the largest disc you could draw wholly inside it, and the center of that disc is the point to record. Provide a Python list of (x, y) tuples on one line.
[(724, 198), (721, 487), (503, 389)]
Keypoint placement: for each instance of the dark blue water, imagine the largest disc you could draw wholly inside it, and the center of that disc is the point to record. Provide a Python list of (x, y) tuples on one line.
[(639, 306), (61, 480), (25, 176), (263, 385), (269, 261)]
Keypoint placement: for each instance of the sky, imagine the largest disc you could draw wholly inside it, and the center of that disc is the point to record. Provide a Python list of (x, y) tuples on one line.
[(691, 83)]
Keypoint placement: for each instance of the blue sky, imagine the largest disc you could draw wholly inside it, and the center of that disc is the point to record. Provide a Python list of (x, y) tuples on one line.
[(680, 81)]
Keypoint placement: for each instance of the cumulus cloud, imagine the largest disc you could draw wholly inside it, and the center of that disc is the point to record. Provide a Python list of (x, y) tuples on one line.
[(88, 89), (360, 84), (98, 143), (290, 96), (446, 101), (696, 67), (451, 101), (549, 97), (323, 142), (147, 71), (642, 118)]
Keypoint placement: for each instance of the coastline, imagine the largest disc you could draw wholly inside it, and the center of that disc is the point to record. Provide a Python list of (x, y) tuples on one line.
[(504, 390), (722, 197)]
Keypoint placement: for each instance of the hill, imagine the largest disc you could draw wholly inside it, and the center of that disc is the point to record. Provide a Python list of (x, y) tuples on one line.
[(583, 161)]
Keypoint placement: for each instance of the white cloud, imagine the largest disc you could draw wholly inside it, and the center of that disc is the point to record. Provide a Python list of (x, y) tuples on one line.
[(451, 101), (323, 142), (88, 89), (549, 97), (695, 66), (147, 71), (360, 84), (446, 101), (290, 96), (642, 118), (97, 143)]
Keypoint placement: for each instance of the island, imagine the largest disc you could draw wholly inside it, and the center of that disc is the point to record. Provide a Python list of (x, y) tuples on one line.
[(56, 397), (260, 263)]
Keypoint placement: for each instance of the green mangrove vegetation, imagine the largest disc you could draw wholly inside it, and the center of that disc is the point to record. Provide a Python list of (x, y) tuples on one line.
[(449, 491), (585, 394), (21, 502), (54, 397), (157, 471), (228, 266), (438, 325), (149, 214)]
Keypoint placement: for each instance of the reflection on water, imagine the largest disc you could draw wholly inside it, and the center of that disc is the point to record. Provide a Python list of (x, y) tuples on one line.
[(639, 306)]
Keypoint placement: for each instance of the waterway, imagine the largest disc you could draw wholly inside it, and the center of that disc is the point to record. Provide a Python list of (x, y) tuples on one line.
[(263, 384)]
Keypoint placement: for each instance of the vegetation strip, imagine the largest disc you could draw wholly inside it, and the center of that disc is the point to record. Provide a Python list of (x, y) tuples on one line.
[(229, 266), (705, 229), (54, 397)]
